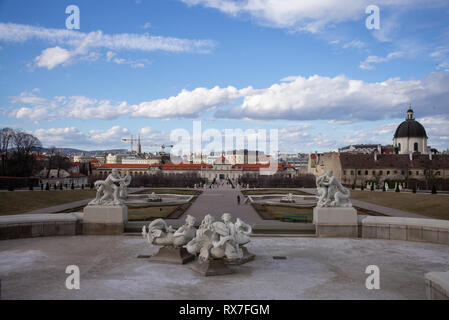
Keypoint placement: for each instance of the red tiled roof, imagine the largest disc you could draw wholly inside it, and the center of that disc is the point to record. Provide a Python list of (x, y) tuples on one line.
[(182, 166), (257, 166), (124, 166), (76, 175), (398, 161)]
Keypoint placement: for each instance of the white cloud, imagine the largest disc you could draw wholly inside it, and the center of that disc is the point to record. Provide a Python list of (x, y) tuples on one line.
[(35, 108), (52, 57), (340, 98), (73, 137), (189, 103), (84, 44), (367, 64), (305, 15), (335, 99), (354, 44), (147, 25)]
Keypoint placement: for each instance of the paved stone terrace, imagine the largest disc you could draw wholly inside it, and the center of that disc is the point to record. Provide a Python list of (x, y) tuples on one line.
[(314, 269)]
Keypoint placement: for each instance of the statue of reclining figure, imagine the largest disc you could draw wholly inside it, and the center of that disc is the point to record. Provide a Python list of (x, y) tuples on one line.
[(160, 234)]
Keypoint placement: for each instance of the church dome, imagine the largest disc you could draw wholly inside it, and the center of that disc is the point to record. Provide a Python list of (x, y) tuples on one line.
[(410, 128)]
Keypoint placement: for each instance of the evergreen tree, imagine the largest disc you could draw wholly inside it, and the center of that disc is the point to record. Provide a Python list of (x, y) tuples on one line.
[(397, 188), (414, 189), (372, 186), (434, 190)]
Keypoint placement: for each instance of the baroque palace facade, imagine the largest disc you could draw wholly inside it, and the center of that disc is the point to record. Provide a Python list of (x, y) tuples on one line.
[(219, 170), (409, 158)]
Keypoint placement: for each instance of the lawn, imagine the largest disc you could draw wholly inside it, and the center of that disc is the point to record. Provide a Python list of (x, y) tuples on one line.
[(150, 213), (273, 191), (431, 205), (14, 202), (292, 214), (171, 191)]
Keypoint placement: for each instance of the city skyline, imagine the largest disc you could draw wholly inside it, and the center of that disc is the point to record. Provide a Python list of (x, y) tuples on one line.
[(312, 71)]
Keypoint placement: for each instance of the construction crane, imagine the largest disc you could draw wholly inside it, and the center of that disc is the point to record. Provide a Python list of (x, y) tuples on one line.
[(139, 146)]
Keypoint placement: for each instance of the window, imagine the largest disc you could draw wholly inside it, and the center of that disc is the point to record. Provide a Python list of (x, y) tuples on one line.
[(409, 173), (366, 172), (399, 147), (381, 172), (352, 173), (359, 172), (388, 172), (374, 172), (417, 173), (415, 146), (344, 172), (395, 171)]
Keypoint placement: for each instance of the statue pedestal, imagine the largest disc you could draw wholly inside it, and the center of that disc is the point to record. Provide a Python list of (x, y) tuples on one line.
[(247, 257), (104, 220), (211, 267), (335, 222), (172, 255)]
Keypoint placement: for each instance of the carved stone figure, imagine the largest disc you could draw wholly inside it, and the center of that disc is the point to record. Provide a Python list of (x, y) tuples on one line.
[(220, 239), (159, 233), (108, 190), (331, 192), (124, 187), (288, 198), (171, 240), (153, 197)]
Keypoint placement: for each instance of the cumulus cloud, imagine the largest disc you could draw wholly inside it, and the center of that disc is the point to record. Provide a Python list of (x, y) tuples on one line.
[(52, 57), (82, 44), (32, 107), (73, 137), (337, 99), (340, 98), (189, 103)]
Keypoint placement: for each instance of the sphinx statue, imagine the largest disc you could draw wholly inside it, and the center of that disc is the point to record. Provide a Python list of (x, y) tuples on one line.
[(331, 192)]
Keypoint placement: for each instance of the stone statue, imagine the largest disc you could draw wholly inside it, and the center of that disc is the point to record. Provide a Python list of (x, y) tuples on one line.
[(159, 233), (124, 187), (288, 198), (331, 192), (153, 197), (220, 239), (202, 242), (109, 189)]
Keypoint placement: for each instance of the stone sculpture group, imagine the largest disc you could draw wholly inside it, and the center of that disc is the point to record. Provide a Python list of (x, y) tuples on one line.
[(214, 244), (331, 192), (111, 191)]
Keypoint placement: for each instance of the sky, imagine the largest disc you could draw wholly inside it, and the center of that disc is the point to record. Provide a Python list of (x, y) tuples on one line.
[(311, 69)]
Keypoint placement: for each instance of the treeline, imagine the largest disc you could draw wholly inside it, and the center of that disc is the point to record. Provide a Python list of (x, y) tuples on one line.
[(16, 149), (160, 180), (278, 180)]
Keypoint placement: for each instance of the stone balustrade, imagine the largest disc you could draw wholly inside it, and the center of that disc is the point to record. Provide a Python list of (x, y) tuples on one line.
[(408, 229), (40, 225)]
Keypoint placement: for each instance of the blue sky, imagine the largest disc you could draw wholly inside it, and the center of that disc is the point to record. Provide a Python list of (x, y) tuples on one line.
[(308, 68)]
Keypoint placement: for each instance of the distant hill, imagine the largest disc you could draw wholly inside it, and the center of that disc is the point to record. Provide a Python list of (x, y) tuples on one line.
[(68, 151)]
